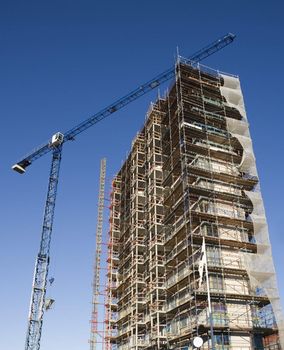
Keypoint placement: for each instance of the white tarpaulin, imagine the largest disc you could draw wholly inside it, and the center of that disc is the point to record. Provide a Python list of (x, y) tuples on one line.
[(259, 266), (231, 90)]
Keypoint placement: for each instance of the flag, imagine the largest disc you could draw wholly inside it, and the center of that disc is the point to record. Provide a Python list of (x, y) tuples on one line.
[(202, 262)]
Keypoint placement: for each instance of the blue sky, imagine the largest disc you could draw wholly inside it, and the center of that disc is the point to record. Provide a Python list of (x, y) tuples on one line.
[(62, 61)]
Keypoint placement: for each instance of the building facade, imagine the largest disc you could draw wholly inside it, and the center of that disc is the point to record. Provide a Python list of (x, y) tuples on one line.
[(189, 252)]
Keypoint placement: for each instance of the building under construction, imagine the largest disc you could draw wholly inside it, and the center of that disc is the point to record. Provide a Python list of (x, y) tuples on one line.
[(189, 252)]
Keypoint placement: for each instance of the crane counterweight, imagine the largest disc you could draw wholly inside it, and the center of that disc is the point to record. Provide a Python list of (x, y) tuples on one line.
[(18, 168), (21, 166)]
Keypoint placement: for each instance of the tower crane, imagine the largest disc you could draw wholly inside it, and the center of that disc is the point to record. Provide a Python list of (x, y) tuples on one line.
[(55, 145)]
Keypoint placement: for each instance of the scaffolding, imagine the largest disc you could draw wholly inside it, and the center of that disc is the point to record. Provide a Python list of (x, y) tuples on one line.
[(96, 330), (191, 177), (111, 300)]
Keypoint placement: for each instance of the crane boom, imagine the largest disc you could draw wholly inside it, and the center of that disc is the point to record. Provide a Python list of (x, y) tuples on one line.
[(123, 101)]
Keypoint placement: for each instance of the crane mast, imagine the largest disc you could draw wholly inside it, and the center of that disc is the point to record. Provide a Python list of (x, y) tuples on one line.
[(55, 145), (37, 306), (98, 253)]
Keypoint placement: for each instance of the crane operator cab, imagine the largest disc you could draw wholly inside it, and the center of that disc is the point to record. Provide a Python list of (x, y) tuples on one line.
[(57, 139)]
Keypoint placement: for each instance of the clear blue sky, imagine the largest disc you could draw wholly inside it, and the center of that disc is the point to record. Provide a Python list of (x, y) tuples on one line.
[(61, 61)]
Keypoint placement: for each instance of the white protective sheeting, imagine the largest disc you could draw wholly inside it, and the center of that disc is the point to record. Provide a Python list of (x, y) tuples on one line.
[(231, 90), (239, 129), (259, 266), (258, 219)]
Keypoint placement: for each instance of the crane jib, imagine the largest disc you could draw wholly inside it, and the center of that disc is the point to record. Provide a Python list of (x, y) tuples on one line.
[(122, 102)]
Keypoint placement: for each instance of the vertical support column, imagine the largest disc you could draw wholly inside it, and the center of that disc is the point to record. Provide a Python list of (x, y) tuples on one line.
[(156, 291)]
